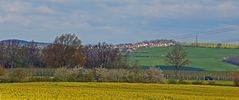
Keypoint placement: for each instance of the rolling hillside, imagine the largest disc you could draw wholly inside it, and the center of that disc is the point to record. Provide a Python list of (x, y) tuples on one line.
[(210, 59), (24, 42)]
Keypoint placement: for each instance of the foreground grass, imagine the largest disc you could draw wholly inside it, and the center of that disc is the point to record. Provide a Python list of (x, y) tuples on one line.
[(119, 91)]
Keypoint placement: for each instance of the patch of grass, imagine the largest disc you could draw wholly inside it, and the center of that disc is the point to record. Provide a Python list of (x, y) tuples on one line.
[(210, 59)]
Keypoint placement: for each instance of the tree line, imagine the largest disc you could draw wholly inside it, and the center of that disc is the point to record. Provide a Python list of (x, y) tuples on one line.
[(65, 51), (212, 45)]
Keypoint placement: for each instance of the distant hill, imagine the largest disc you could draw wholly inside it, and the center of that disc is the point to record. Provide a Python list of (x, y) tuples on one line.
[(23, 42)]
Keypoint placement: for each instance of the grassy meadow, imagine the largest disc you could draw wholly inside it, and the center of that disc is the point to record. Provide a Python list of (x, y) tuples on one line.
[(119, 91), (209, 59)]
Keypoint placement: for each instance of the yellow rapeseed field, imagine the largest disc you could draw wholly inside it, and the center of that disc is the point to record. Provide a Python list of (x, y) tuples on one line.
[(114, 91)]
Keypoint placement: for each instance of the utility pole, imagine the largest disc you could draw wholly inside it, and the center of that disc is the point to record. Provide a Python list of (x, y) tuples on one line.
[(196, 39)]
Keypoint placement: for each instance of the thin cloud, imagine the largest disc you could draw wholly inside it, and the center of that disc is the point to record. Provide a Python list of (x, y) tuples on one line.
[(20, 7), (45, 9), (62, 1), (146, 18), (15, 7)]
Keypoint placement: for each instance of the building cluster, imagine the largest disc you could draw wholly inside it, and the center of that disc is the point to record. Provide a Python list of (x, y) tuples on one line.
[(128, 47), (151, 43)]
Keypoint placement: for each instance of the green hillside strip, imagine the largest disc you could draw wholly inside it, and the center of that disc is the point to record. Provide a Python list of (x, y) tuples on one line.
[(210, 59)]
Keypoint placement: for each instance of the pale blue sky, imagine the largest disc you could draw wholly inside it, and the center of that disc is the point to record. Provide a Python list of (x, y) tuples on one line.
[(119, 21)]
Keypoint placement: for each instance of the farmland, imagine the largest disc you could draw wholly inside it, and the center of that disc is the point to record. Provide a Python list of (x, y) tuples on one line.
[(120, 91), (209, 59)]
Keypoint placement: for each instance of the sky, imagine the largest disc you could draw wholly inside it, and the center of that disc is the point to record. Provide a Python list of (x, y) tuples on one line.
[(120, 21)]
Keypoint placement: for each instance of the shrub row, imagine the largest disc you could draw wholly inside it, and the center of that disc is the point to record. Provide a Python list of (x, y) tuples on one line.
[(196, 82), (108, 75), (236, 78), (79, 74), (21, 75)]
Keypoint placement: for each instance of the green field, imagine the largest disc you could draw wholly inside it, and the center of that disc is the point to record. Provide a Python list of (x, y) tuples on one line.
[(210, 59), (115, 91)]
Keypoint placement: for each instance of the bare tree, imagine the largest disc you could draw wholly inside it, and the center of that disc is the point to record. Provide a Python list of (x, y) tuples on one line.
[(11, 48), (2, 55), (177, 58), (66, 51), (103, 55), (32, 55)]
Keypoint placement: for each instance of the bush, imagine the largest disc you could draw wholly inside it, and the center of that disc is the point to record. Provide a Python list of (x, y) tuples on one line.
[(17, 75), (183, 82), (128, 75), (172, 81), (134, 75), (101, 74), (153, 75), (200, 82), (61, 74), (82, 75), (117, 75), (197, 82), (40, 79), (236, 78), (163, 81), (114, 75), (76, 74), (211, 83), (2, 71)]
